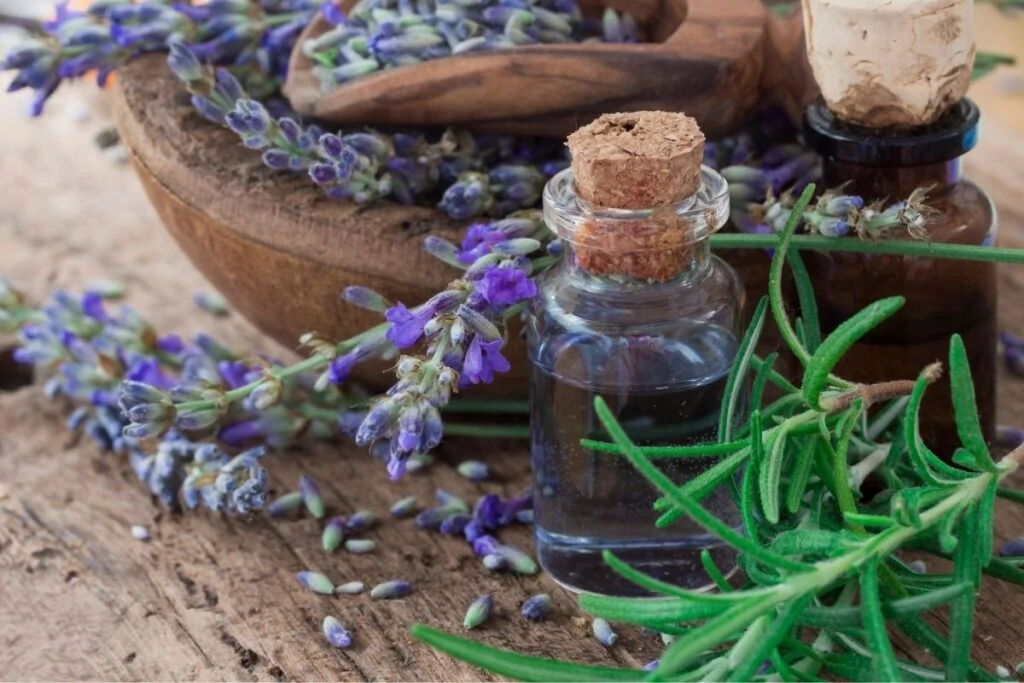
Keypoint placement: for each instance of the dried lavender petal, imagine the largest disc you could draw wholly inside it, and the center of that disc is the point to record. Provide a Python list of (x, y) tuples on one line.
[(350, 588), (360, 521), (474, 470), (391, 590), (1013, 547), (285, 505), (140, 533), (360, 546), (404, 507), (334, 534), (536, 607), (336, 634), (316, 582), (311, 496), (603, 632), (488, 510), (478, 612)]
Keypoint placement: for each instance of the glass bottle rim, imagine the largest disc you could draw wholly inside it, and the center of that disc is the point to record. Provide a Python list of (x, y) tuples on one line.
[(699, 215)]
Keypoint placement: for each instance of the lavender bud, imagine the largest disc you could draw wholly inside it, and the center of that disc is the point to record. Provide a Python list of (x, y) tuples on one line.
[(524, 516), (359, 522), (334, 534), (517, 560), (474, 470), (1013, 547), (140, 533), (350, 588), (404, 507), (454, 524), (316, 582), (108, 289), (478, 612), (364, 297), (843, 205), (536, 607), (419, 462), (652, 665), (478, 323), (451, 501), (311, 496), (212, 303), (431, 518), (832, 227), (391, 590), (360, 546), (603, 632), (285, 505), (494, 563), (1009, 436), (336, 634), (443, 250), (267, 394), (517, 247), (918, 567)]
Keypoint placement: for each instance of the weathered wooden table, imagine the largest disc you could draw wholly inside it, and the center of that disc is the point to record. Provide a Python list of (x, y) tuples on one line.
[(216, 599)]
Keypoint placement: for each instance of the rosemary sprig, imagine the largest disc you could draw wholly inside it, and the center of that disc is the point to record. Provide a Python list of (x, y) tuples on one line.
[(819, 556)]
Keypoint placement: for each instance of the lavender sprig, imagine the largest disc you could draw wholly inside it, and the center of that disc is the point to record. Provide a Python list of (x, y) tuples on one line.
[(255, 37)]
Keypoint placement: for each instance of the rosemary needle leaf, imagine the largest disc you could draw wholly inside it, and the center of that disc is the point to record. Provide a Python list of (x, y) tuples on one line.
[(874, 625), (735, 386), (519, 667), (965, 407)]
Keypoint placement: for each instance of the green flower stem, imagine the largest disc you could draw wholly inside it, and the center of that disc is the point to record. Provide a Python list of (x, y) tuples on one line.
[(487, 431), (961, 252), (495, 407), (315, 362)]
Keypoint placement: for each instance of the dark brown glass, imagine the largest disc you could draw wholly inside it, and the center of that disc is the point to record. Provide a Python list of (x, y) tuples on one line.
[(943, 297)]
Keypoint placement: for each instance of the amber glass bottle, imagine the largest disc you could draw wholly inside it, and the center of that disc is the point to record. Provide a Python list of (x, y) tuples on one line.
[(943, 297)]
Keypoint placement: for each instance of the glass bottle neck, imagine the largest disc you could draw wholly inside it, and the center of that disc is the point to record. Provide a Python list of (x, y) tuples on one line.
[(694, 270), (890, 182)]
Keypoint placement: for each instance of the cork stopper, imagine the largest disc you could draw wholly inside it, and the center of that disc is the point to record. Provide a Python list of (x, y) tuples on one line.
[(648, 160), (895, 64), (637, 160)]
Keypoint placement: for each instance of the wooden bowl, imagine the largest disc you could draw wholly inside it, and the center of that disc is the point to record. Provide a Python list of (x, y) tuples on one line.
[(705, 57), (271, 242)]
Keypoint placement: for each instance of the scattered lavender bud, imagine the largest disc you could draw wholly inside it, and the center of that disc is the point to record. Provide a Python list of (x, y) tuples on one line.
[(359, 522), (418, 462), (212, 303), (334, 534), (360, 546), (336, 634), (478, 612), (316, 582), (918, 567), (285, 505), (391, 590), (455, 524), (311, 496), (667, 639), (432, 518), (451, 501), (603, 632), (108, 289), (1019, 668), (524, 516), (350, 588), (1010, 437), (474, 530), (140, 533), (494, 563), (536, 607), (1002, 672), (404, 507), (1013, 547), (474, 470), (652, 665)]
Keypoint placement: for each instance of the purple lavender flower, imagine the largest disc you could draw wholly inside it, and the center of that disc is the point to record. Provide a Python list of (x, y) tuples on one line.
[(483, 359), (407, 326), (502, 287)]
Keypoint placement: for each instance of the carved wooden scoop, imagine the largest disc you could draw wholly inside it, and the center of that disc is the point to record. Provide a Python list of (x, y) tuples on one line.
[(712, 59)]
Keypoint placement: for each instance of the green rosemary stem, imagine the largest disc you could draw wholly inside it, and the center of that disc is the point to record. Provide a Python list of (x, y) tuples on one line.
[(963, 252)]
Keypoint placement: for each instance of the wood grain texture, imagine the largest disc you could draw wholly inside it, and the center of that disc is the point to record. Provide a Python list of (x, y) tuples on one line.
[(271, 242), (707, 60)]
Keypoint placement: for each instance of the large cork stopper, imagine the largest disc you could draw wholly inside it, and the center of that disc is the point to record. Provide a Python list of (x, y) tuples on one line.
[(637, 160), (899, 63)]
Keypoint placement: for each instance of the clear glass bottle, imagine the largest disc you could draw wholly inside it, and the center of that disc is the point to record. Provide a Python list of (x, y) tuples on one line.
[(659, 353), (943, 296)]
